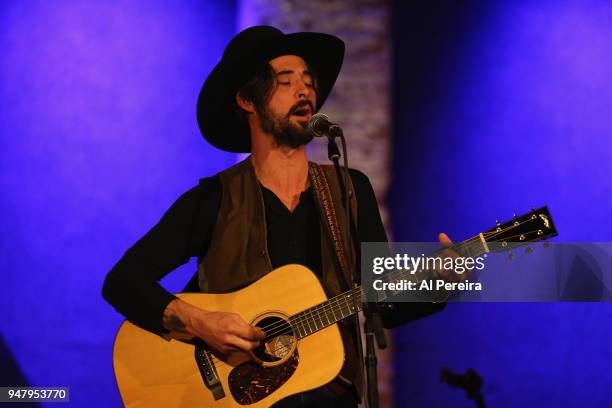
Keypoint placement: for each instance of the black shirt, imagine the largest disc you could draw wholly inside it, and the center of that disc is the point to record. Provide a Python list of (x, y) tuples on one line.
[(293, 237), (185, 231)]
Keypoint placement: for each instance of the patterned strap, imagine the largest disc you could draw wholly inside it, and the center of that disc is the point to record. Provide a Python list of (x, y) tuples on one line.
[(323, 193)]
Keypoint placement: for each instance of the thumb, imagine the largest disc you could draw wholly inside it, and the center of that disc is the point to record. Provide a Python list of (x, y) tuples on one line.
[(444, 239)]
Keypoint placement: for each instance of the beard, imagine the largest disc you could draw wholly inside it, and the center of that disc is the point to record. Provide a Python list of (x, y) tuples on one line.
[(285, 132)]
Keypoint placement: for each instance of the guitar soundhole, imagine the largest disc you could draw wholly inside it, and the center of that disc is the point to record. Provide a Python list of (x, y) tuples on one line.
[(276, 361), (279, 341)]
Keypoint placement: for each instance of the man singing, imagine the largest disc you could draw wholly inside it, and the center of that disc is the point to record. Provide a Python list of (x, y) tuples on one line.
[(260, 214)]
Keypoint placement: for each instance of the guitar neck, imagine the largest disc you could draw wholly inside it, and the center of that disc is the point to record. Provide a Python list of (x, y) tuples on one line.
[(530, 227), (327, 313), (349, 303)]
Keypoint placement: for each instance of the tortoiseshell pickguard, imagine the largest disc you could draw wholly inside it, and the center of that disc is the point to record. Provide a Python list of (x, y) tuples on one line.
[(250, 382)]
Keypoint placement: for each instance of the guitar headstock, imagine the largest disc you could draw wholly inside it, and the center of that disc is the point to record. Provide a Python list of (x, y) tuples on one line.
[(535, 225)]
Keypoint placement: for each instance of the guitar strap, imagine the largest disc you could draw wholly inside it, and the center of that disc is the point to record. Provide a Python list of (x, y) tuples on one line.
[(323, 180), (330, 220)]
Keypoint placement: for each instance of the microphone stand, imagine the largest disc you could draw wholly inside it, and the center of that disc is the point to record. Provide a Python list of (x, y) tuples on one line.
[(373, 323)]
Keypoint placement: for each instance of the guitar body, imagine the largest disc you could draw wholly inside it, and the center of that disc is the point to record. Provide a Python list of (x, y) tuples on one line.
[(303, 349), (151, 371)]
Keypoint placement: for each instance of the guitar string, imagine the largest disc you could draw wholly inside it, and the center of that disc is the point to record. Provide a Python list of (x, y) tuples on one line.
[(337, 307), (494, 233), (519, 242), (335, 304), (321, 310), (317, 313), (288, 327), (314, 313), (464, 244), (490, 234)]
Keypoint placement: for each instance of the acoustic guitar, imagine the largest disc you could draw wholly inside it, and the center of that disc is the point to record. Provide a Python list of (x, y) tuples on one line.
[(302, 350)]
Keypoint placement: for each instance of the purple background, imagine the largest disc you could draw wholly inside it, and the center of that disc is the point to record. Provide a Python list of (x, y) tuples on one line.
[(99, 138), (496, 108)]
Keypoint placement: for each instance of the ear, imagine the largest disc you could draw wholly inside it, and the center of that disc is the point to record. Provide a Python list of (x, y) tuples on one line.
[(245, 105)]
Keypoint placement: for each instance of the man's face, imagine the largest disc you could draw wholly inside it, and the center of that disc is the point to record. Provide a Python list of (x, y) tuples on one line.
[(291, 104)]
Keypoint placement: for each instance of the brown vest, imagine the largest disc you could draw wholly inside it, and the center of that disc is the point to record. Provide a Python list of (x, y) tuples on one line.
[(241, 221), (238, 252)]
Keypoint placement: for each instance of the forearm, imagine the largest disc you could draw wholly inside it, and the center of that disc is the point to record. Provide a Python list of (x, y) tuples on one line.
[(141, 302), (223, 331), (182, 320)]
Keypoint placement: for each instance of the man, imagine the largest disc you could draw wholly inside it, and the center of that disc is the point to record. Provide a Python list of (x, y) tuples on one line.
[(260, 214)]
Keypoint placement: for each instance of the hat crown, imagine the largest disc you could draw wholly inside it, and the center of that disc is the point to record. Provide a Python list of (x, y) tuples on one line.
[(249, 41), (216, 110)]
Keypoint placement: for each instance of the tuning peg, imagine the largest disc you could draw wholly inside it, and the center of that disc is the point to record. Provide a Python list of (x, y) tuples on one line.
[(510, 255), (515, 216), (497, 222), (528, 250)]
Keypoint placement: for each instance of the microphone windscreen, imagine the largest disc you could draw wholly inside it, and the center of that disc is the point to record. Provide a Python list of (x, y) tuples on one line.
[(318, 123)]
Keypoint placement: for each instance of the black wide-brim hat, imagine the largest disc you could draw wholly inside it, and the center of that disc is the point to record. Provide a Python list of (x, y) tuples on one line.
[(217, 117)]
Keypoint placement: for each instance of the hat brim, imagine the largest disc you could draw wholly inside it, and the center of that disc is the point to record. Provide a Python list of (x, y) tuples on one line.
[(216, 109)]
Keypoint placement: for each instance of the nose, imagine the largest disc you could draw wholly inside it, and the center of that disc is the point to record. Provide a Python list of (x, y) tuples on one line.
[(303, 90)]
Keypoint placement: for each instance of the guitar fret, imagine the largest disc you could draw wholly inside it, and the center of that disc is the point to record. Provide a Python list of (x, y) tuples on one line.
[(320, 323), (311, 321), (298, 327), (327, 313), (319, 316), (317, 319), (297, 332), (348, 309), (336, 307), (339, 307), (465, 249), (303, 322), (295, 326), (307, 319), (353, 302), (334, 313), (314, 317)]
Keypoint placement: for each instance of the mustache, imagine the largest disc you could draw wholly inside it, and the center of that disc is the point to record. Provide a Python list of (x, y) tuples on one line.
[(299, 106)]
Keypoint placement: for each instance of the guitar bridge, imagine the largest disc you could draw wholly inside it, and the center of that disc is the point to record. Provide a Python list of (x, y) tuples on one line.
[(208, 371)]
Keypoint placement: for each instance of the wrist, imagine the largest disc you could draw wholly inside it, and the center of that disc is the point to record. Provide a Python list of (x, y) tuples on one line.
[(176, 318)]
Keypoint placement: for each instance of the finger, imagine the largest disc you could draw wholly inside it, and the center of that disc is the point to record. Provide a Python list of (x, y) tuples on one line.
[(259, 333), (242, 329), (243, 344), (444, 239)]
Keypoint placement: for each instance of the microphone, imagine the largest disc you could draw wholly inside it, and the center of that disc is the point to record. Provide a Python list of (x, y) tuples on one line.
[(319, 125)]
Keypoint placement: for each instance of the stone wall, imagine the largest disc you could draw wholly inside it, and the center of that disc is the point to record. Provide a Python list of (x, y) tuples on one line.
[(361, 99)]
